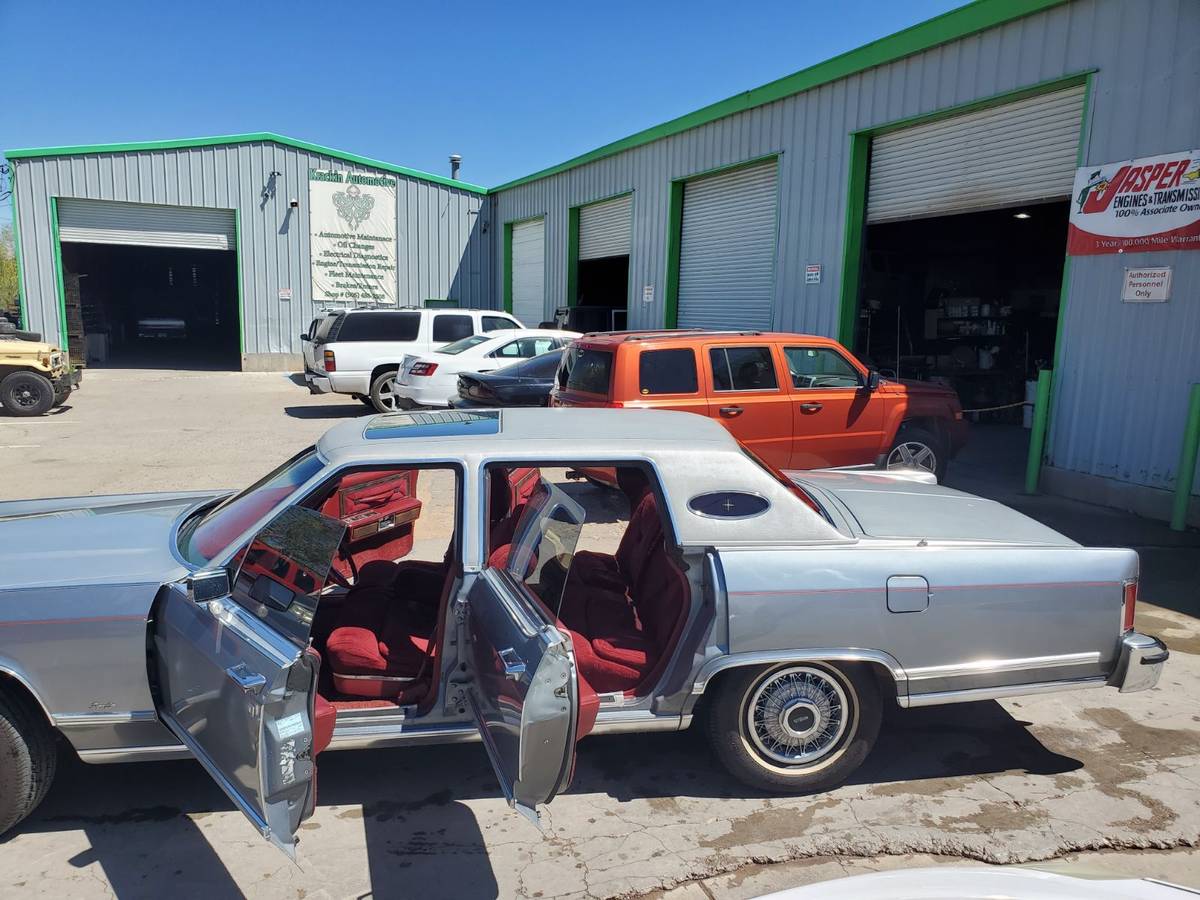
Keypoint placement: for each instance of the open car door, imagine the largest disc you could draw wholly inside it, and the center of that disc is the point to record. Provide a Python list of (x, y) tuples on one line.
[(525, 688), (234, 678)]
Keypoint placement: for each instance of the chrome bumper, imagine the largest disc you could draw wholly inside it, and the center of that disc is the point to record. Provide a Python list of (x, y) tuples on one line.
[(1140, 663), (318, 384)]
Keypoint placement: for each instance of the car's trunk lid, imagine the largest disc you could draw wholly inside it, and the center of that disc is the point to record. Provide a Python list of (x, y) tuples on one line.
[(883, 506)]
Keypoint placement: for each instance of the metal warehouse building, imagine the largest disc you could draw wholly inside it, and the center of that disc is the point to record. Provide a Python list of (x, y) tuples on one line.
[(1010, 187)]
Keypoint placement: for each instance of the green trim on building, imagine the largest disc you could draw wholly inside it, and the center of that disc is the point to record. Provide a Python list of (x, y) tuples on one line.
[(508, 272), (674, 243), (237, 249), (859, 165), (854, 237), (60, 286), (572, 255), (16, 226), (951, 26), (254, 138)]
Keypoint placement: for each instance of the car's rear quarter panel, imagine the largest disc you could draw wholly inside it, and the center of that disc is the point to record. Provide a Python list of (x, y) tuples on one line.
[(1042, 613)]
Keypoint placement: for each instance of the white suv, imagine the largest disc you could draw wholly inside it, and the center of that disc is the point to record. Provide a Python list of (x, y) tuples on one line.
[(357, 351)]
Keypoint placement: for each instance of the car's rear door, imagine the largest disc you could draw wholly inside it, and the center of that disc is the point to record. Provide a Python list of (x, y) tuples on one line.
[(525, 688), (747, 396), (233, 676)]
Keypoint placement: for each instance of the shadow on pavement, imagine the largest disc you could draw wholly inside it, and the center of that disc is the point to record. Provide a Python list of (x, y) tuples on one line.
[(145, 822), (341, 411)]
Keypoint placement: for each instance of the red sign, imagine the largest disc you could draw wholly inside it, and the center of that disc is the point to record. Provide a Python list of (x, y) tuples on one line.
[(1140, 205)]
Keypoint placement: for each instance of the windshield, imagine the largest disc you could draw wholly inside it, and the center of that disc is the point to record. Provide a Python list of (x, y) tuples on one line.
[(203, 537), (544, 541), (465, 344)]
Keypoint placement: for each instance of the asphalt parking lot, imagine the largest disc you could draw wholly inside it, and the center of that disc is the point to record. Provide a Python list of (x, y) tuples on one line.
[(1094, 779)]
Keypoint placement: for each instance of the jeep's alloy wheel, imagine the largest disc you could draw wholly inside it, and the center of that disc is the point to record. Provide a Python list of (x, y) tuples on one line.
[(912, 455)]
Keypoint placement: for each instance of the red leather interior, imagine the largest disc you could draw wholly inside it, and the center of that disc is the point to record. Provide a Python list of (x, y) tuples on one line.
[(378, 508), (625, 612), (324, 719)]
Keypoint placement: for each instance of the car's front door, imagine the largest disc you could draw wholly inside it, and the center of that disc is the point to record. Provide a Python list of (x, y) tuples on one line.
[(234, 678), (745, 394), (836, 421), (524, 687)]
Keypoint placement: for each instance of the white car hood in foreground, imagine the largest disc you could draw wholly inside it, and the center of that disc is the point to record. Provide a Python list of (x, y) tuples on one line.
[(968, 883)]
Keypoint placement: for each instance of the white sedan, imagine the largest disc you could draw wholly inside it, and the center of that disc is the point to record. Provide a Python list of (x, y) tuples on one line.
[(431, 379)]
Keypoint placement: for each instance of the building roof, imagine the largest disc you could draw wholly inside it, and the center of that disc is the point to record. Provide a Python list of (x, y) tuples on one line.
[(254, 138), (951, 26)]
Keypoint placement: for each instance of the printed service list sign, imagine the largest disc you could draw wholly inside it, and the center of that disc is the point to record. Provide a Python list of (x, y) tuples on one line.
[(1138, 205), (352, 237)]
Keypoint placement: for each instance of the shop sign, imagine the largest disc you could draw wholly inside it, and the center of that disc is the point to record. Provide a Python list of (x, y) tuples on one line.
[(1147, 285), (1139, 205), (812, 274), (352, 237)]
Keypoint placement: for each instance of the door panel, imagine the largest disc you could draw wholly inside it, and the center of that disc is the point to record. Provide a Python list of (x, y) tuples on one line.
[(836, 422), (524, 691), (235, 681), (747, 396)]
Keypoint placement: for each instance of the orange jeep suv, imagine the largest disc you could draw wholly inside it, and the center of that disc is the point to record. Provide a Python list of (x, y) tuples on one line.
[(796, 400)]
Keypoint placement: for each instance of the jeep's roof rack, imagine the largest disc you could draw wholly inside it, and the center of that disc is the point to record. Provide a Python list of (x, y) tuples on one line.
[(661, 335)]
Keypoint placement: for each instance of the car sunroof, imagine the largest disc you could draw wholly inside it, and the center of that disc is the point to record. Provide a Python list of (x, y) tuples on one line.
[(432, 424)]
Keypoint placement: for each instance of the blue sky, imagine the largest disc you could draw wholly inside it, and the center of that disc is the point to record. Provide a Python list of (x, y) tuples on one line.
[(513, 87)]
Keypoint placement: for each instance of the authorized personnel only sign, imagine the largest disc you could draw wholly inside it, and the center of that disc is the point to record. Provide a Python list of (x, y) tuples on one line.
[(1152, 203), (352, 237), (1147, 285)]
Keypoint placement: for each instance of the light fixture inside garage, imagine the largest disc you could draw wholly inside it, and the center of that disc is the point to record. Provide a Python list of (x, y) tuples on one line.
[(1022, 215)]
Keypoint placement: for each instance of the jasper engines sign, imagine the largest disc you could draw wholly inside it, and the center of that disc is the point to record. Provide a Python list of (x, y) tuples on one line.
[(1144, 204), (352, 237)]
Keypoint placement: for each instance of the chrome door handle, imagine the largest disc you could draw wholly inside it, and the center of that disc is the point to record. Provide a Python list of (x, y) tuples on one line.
[(248, 681), (514, 667), (812, 406), (731, 412)]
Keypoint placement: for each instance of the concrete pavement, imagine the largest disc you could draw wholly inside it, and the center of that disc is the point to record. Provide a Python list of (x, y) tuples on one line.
[(1114, 777)]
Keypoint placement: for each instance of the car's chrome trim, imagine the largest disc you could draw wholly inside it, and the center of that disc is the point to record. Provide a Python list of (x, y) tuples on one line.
[(88, 719), (637, 720), (818, 654), (997, 666), (106, 755), (368, 735), (1140, 663), (398, 678), (937, 698)]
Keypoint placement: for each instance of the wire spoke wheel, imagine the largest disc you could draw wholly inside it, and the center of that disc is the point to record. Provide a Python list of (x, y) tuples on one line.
[(798, 715)]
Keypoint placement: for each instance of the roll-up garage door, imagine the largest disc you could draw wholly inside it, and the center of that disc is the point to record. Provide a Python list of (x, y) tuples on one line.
[(727, 250), (529, 272), (1017, 153), (145, 225), (604, 228)]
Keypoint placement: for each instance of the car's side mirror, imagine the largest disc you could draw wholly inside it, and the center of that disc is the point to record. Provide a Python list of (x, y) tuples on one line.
[(208, 584), (304, 336), (872, 380)]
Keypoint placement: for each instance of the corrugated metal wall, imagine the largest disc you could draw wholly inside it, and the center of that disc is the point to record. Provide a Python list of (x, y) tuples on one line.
[(1124, 370), (442, 251)]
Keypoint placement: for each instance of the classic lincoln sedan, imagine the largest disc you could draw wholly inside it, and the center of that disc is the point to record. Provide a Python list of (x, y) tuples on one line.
[(448, 576)]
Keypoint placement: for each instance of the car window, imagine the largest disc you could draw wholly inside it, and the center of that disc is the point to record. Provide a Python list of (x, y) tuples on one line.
[(380, 326), (667, 371), (465, 344), (450, 327), (204, 537), (326, 327), (742, 369), (511, 350), (586, 370), (543, 366), (312, 328), (820, 367), (498, 323)]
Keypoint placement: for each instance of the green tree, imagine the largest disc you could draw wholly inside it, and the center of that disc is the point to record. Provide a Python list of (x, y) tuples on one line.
[(8, 273)]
